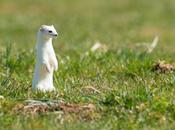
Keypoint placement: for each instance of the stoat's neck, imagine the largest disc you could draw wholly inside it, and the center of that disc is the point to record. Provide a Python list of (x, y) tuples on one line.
[(43, 42), (43, 39)]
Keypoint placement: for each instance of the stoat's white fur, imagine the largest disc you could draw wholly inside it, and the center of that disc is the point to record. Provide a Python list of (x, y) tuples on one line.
[(46, 62)]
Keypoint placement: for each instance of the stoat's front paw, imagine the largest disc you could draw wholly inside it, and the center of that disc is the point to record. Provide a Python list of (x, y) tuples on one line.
[(48, 67), (55, 64), (56, 67)]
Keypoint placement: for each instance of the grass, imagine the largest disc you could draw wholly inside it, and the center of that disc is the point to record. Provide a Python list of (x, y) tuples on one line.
[(131, 96)]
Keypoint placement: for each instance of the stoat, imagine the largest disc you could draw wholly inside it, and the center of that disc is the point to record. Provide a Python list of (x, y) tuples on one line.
[(46, 61)]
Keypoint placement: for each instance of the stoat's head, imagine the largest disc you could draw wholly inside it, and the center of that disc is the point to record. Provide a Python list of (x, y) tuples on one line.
[(47, 31)]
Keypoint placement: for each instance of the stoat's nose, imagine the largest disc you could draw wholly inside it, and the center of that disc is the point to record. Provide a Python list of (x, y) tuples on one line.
[(55, 35)]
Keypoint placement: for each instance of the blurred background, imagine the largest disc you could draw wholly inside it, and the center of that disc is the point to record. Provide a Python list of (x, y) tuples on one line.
[(116, 23)]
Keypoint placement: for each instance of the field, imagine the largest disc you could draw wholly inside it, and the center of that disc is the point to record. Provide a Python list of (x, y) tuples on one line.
[(118, 79)]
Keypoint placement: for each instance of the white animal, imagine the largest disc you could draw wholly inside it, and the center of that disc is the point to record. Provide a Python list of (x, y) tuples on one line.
[(46, 61)]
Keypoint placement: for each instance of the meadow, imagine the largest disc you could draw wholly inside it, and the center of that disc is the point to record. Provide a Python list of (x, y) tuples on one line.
[(118, 79)]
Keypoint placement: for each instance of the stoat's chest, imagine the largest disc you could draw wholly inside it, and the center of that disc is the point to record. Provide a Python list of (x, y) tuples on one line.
[(45, 52)]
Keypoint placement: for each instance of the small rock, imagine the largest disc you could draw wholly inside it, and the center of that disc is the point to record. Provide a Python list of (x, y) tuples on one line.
[(76, 108), (40, 106)]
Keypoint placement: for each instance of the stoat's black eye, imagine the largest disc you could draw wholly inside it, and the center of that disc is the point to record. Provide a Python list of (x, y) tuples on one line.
[(50, 31)]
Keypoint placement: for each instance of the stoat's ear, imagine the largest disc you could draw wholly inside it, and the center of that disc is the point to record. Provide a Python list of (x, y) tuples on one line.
[(42, 28)]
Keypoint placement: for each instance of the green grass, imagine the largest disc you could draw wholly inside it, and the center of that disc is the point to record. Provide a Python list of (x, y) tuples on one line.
[(131, 96)]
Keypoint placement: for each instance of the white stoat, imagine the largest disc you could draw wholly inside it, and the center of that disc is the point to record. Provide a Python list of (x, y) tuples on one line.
[(46, 62)]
